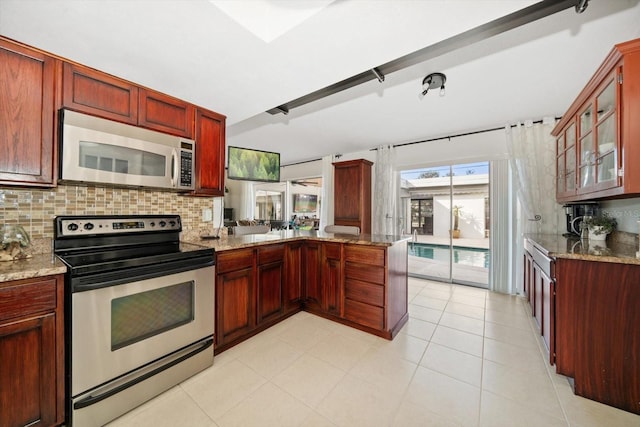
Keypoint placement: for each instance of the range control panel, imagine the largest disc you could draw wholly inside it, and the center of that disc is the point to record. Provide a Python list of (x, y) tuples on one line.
[(105, 225)]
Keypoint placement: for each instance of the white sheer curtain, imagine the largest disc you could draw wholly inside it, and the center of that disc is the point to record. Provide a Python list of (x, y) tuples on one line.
[(385, 209), (246, 201), (326, 206), (533, 162)]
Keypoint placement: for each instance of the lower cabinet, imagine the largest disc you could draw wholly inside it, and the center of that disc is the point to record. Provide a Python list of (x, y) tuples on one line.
[(293, 267), (539, 285), (597, 338), (252, 291), (332, 278), (32, 352), (359, 285), (270, 282), (235, 295)]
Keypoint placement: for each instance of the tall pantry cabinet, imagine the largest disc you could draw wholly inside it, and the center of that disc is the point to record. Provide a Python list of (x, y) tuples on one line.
[(352, 194)]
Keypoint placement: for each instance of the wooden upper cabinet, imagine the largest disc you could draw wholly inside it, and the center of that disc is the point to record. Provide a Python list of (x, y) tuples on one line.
[(210, 153), (99, 94), (164, 113), (596, 141), (27, 111), (352, 194)]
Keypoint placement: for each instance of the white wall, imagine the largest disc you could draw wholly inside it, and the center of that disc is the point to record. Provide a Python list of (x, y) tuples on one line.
[(625, 211), (471, 221)]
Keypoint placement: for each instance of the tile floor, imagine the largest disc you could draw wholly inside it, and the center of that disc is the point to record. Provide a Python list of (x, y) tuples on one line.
[(467, 357)]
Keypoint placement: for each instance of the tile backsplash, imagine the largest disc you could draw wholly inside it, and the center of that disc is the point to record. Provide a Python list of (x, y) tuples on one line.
[(35, 209)]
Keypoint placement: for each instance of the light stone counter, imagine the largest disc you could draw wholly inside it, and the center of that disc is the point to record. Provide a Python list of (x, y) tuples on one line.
[(37, 266), (611, 250), (231, 242)]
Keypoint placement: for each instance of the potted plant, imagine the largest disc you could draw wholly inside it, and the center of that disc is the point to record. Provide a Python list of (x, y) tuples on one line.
[(455, 233), (600, 225)]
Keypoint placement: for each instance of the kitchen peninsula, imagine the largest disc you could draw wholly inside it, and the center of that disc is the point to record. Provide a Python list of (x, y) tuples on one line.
[(261, 279)]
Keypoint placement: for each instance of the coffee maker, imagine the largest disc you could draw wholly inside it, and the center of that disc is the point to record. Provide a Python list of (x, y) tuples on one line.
[(575, 213)]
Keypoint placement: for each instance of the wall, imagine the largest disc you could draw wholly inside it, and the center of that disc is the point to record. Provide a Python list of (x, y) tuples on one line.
[(625, 211), (35, 209)]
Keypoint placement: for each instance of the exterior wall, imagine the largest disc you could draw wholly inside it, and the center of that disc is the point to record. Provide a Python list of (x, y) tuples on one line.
[(471, 222)]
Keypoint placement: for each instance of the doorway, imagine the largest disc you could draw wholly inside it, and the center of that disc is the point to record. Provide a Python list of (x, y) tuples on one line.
[(449, 213)]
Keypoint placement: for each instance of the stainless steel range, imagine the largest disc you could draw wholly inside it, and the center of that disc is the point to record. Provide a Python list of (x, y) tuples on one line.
[(139, 311)]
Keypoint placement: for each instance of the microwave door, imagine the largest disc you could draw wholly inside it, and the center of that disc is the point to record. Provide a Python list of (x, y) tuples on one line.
[(94, 156)]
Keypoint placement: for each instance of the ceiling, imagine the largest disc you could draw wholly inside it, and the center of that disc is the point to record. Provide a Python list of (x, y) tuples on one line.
[(242, 62)]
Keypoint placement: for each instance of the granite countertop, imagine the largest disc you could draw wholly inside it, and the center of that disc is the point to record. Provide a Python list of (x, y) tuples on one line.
[(46, 264), (232, 242), (611, 250), (37, 266)]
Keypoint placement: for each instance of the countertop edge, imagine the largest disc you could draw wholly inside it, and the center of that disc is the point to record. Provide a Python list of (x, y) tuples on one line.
[(561, 247), (40, 265)]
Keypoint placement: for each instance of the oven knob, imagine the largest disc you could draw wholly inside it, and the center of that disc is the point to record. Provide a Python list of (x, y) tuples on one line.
[(72, 227), (172, 223), (152, 224), (88, 226), (162, 223)]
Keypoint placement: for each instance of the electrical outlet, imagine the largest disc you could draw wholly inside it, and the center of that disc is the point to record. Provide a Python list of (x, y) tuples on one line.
[(207, 215)]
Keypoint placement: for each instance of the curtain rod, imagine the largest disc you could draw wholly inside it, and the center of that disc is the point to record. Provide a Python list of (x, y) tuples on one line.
[(427, 140)]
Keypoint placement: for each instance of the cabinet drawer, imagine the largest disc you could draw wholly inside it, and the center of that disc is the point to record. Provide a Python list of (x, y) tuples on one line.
[(367, 293), (234, 260), (332, 250), (364, 272), (25, 299), (272, 253), (364, 314), (364, 255)]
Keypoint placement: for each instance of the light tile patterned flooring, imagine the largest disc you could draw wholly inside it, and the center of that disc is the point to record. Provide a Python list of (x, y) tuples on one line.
[(467, 357)]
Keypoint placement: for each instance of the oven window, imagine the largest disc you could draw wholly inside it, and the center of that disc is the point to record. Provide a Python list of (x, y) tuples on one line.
[(114, 158), (145, 314)]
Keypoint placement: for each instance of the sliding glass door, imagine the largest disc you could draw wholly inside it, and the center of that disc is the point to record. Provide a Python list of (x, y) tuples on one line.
[(448, 207)]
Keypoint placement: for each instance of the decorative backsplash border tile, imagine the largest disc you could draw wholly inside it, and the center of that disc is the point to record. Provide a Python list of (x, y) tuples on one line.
[(35, 209)]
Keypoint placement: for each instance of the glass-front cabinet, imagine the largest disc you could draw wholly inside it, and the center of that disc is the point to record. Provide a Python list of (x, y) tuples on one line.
[(587, 149), (566, 162), (598, 138)]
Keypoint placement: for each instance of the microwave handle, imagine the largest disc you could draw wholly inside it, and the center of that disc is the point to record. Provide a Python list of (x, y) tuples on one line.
[(174, 165)]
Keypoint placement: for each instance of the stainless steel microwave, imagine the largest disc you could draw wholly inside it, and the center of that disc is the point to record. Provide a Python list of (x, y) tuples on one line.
[(95, 150)]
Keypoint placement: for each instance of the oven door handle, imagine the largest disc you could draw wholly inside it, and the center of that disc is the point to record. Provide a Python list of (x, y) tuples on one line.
[(91, 399)]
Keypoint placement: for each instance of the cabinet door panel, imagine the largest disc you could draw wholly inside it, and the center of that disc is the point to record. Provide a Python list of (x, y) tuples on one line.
[(99, 94), (293, 283), (235, 304), (165, 114), (27, 107), (210, 153), (313, 284), (331, 281), (270, 279), (28, 370)]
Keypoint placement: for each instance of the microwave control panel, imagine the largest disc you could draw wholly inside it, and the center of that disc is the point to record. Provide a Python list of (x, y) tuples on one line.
[(186, 168)]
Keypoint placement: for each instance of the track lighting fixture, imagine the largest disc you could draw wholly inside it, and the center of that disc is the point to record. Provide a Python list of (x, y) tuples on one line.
[(581, 5), (378, 74), (433, 81)]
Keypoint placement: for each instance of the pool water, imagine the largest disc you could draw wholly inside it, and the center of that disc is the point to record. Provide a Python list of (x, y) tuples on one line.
[(475, 257)]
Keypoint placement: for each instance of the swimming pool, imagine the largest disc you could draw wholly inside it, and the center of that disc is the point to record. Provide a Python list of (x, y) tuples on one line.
[(475, 257)]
